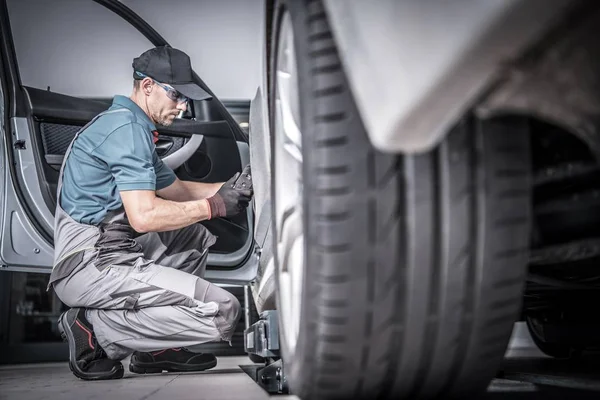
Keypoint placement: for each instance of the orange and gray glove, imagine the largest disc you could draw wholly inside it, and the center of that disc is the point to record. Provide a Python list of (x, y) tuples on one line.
[(233, 197)]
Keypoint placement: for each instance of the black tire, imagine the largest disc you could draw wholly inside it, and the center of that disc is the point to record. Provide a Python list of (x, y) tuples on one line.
[(555, 350), (414, 265)]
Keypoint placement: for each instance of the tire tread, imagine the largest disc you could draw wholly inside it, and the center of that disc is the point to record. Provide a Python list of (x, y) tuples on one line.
[(442, 191)]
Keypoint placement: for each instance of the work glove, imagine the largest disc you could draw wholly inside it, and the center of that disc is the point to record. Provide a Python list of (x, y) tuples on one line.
[(233, 197)]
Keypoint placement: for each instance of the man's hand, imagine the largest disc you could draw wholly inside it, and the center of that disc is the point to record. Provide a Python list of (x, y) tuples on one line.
[(231, 199)]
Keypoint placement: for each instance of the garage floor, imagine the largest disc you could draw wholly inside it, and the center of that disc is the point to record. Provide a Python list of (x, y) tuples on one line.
[(55, 381), (532, 376)]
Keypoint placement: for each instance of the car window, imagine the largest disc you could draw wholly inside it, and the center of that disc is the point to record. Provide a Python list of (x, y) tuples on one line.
[(74, 47)]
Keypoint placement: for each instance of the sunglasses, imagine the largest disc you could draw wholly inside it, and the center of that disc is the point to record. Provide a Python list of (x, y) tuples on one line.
[(171, 93)]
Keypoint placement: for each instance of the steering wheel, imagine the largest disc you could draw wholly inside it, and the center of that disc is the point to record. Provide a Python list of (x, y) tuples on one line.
[(179, 157)]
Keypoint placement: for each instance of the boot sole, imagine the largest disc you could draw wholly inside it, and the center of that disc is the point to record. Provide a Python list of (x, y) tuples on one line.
[(156, 368), (67, 335)]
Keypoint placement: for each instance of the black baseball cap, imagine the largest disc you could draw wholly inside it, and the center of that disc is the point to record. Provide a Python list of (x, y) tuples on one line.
[(171, 66)]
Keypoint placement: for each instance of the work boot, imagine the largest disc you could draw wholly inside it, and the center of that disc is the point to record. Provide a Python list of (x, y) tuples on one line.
[(87, 360), (171, 360)]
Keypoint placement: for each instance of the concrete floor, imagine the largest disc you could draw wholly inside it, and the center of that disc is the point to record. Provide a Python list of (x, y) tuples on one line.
[(55, 381), (560, 380)]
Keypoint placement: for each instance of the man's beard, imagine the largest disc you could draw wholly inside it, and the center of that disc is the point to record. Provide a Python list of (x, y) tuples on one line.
[(164, 121)]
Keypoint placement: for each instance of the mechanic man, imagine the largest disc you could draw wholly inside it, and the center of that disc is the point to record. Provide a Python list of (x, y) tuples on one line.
[(129, 251)]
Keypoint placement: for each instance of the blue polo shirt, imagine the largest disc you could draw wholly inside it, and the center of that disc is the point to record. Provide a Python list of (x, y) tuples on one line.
[(115, 153)]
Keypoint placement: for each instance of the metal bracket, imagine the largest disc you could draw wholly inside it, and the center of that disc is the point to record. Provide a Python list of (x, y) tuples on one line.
[(262, 338), (272, 378)]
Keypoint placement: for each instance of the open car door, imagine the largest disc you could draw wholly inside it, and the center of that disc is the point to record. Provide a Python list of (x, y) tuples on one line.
[(206, 144)]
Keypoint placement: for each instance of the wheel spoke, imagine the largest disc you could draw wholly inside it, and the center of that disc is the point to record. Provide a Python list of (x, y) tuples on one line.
[(291, 232), (287, 175), (292, 135), (288, 133)]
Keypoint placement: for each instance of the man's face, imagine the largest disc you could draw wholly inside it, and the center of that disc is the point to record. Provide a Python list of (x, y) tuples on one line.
[(162, 109)]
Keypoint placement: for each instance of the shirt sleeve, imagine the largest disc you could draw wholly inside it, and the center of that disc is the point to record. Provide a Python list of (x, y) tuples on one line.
[(164, 175), (128, 153)]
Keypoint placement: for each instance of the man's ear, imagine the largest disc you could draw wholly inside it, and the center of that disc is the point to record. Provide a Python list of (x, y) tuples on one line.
[(147, 85)]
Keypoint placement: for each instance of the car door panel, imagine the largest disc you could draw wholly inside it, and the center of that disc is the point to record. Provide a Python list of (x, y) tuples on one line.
[(22, 246), (58, 107)]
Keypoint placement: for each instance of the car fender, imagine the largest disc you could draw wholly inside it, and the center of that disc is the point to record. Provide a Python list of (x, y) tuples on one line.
[(414, 67)]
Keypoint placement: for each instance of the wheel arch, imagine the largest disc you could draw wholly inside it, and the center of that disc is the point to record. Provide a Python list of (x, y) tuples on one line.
[(556, 82)]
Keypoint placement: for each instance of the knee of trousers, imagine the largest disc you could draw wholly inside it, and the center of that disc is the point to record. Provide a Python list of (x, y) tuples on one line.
[(66, 295), (229, 313)]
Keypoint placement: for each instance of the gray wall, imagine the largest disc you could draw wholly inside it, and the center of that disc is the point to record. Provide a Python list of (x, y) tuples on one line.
[(79, 48)]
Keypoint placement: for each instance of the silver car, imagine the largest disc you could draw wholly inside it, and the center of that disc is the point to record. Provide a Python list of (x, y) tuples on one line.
[(425, 175)]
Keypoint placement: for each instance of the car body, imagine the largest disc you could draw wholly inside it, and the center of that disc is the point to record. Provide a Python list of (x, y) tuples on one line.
[(398, 82)]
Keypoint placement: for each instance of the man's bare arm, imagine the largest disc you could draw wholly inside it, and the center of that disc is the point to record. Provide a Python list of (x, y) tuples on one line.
[(149, 213), (188, 190)]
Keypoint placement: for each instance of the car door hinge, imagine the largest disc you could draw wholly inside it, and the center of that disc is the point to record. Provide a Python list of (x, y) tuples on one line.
[(20, 145)]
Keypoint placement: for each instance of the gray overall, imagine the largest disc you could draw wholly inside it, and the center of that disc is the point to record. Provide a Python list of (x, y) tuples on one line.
[(143, 292)]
